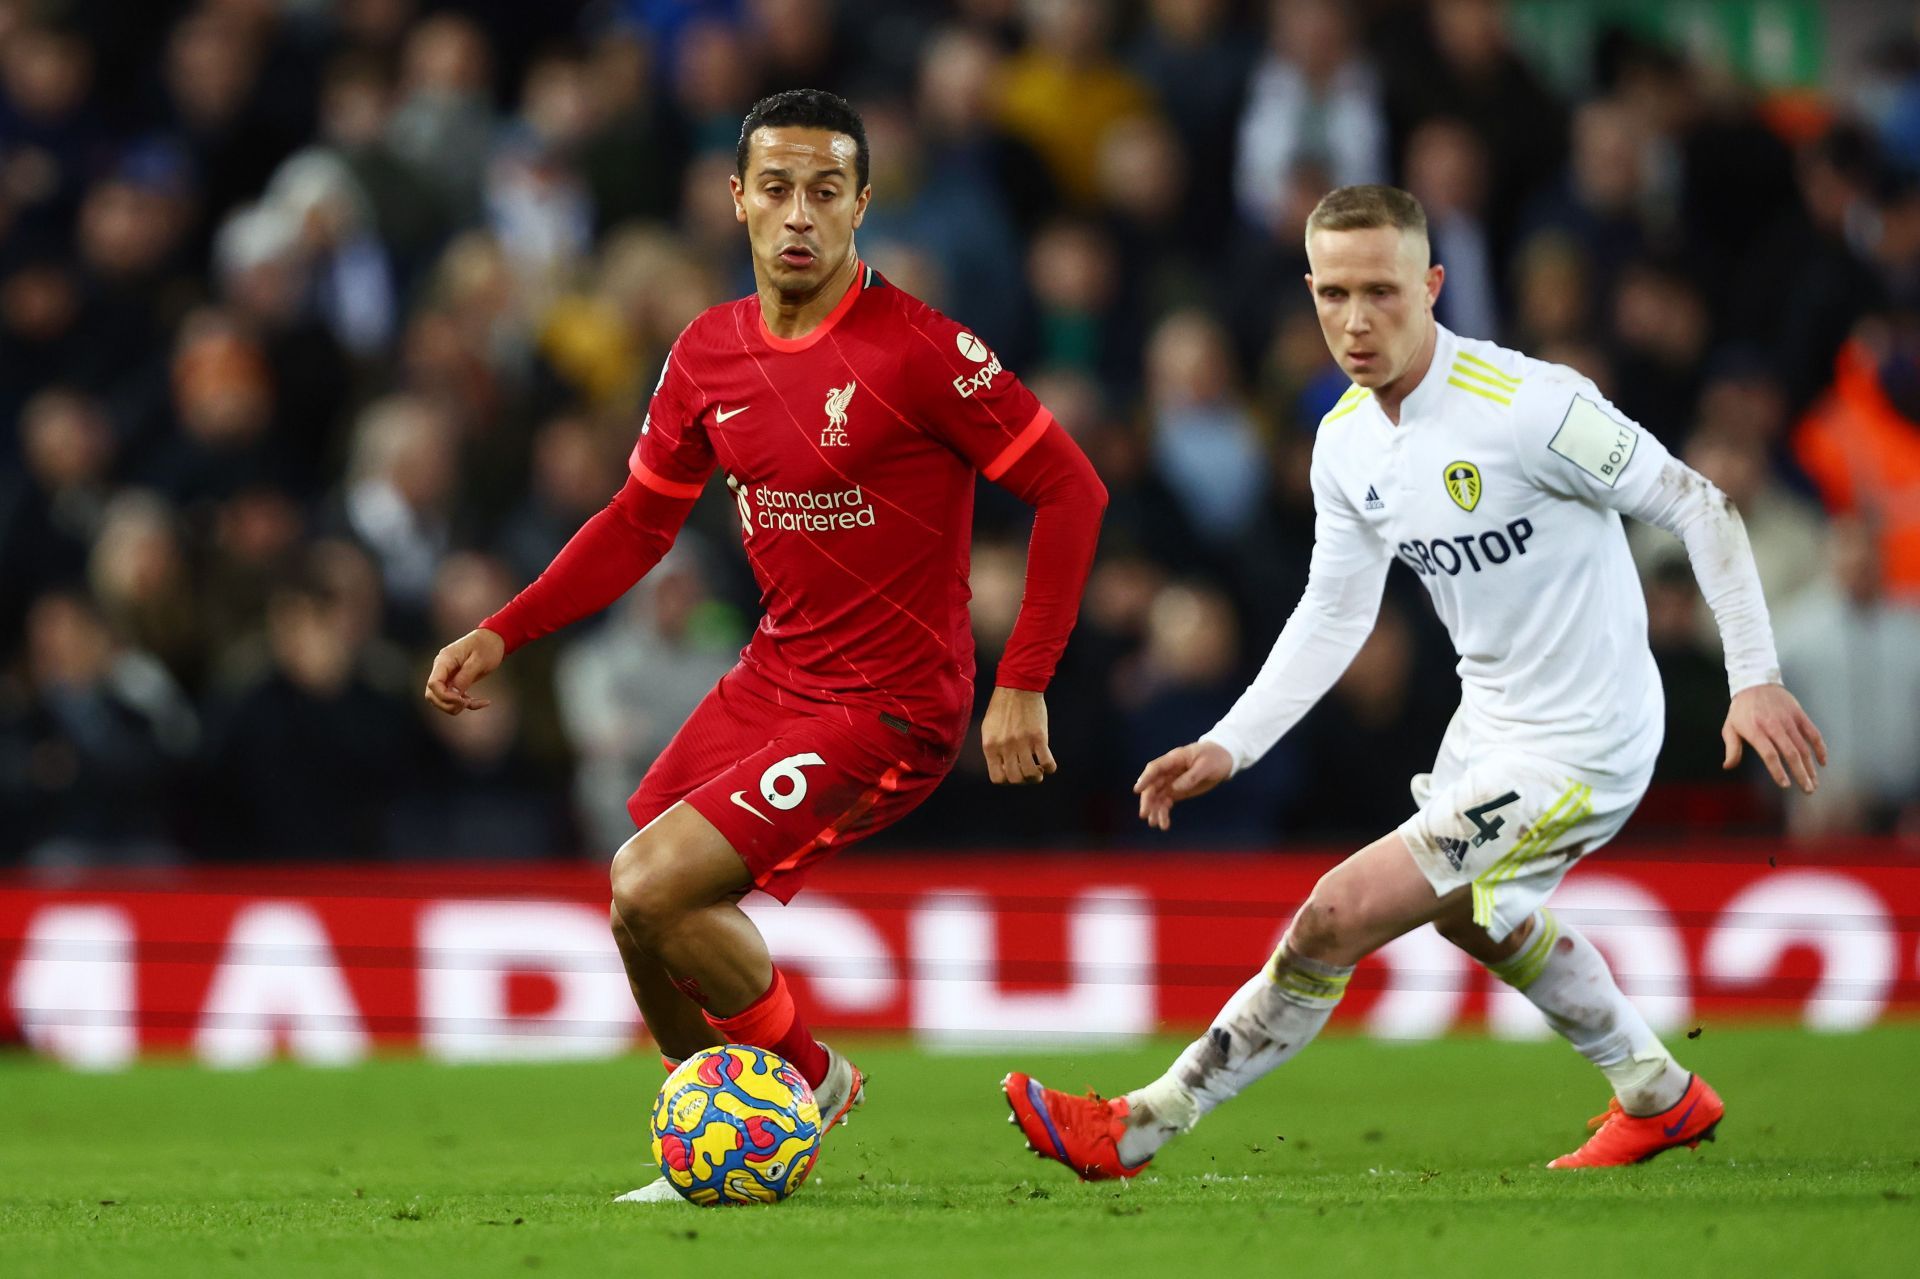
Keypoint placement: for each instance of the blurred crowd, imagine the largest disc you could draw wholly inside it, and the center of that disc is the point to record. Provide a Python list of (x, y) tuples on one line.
[(324, 323)]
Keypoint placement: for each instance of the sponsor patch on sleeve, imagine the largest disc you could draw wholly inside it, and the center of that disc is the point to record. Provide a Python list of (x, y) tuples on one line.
[(1595, 441)]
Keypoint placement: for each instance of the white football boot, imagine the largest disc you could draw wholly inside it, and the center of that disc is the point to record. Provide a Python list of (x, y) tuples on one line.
[(844, 1088)]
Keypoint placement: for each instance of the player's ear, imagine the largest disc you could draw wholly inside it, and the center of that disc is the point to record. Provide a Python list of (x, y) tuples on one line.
[(1436, 276), (1308, 277), (739, 190), (860, 205)]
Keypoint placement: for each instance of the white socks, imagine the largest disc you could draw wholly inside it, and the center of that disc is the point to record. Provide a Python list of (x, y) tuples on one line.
[(1268, 1020), (1566, 979)]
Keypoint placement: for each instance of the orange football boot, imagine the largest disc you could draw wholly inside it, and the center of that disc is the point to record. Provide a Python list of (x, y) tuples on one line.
[(1081, 1132), (1620, 1138)]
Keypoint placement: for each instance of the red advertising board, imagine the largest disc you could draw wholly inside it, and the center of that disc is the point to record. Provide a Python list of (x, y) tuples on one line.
[(492, 962)]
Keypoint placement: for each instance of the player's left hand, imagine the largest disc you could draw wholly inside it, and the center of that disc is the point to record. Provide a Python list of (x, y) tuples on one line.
[(1014, 737), (1769, 719)]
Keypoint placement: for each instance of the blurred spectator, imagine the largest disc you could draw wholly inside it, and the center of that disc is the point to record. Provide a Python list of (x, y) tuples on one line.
[(253, 542), (348, 272), (218, 438), (399, 496), (1660, 334), (1377, 728), (470, 344), (625, 690), (1852, 655), (356, 112), (714, 82), (1809, 279), (574, 474), (1314, 101), (1071, 266), (1064, 90), (1602, 203), (263, 276), (1197, 65), (1861, 444), (144, 584), (1691, 672), (480, 795), (538, 205), (1269, 566), (607, 345), (96, 748), (285, 752), (211, 74), (50, 139), (799, 42), (52, 510), (39, 329), (1783, 527), (1553, 293), (1185, 678), (963, 141), (631, 162), (1205, 441), (963, 226), (443, 126), (1461, 65), (1142, 173), (1446, 170)]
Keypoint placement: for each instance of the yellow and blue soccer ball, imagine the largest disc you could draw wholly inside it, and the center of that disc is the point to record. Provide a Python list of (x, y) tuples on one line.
[(735, 1125)]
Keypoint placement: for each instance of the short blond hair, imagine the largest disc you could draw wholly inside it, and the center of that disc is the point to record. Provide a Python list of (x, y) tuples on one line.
[(1363, 207)]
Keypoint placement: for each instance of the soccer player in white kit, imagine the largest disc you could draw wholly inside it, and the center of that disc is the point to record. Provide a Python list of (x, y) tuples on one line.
[(1500, 481)]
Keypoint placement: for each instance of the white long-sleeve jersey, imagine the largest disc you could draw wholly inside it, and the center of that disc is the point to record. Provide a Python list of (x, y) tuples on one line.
[(1502, 488)]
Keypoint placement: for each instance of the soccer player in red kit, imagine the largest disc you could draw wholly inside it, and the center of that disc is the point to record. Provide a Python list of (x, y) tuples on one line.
[(850, 420)]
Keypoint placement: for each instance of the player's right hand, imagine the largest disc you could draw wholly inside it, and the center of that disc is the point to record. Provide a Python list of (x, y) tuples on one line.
[(1184, 772), (461, 665)]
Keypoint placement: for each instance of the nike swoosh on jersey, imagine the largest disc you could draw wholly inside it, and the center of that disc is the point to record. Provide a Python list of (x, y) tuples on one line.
[(736, 798), (721, 415)]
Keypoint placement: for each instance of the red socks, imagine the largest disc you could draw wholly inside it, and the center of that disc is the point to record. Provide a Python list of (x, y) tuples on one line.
[(773, 1023)]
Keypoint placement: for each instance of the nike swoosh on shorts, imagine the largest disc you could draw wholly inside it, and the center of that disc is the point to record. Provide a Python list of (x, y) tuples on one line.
[(736, 798), (721, 415)]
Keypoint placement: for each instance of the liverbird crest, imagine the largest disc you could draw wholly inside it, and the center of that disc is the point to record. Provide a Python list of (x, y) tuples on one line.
[(837, 401)]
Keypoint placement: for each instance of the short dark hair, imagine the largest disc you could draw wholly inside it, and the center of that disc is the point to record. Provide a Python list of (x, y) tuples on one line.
[(805, 109)]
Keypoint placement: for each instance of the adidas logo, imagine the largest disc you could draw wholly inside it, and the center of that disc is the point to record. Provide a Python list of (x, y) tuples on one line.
[(1373, 500), (1455, 850)]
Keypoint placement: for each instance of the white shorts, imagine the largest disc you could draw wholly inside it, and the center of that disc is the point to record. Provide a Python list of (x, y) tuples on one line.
[(1511, 824)]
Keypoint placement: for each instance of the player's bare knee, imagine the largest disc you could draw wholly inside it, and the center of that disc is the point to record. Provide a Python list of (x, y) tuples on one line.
[(646, 899), (1325, 925)]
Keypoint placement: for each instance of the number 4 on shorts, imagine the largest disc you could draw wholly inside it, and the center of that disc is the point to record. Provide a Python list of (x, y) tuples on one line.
[(1478, 816)]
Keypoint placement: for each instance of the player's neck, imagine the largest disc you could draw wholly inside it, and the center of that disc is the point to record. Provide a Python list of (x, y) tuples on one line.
[(794, 317), (1395, 393)]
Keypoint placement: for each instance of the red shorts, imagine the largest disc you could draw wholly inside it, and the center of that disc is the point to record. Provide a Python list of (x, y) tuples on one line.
[(787, 785)]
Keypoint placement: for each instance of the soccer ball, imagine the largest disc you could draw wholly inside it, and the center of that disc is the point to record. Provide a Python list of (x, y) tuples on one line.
[(735, 1125)]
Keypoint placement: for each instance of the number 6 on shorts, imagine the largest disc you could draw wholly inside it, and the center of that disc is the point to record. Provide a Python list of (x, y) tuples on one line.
[(787, 768)]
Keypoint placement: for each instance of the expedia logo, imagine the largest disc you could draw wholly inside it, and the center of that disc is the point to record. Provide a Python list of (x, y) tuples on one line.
[(1463, 484), (981, 380)]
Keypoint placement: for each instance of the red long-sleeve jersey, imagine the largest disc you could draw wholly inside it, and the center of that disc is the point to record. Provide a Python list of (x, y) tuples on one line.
[(851, 454)]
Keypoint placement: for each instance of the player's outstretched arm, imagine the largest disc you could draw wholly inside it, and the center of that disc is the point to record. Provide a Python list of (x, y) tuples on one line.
[(1769, 718), (1014, 737), (612, 551), (1185, 772), (461, 665), (1055, 478)]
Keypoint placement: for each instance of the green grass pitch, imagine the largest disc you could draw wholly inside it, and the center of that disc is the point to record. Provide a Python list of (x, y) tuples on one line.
[(1358, 1159)]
